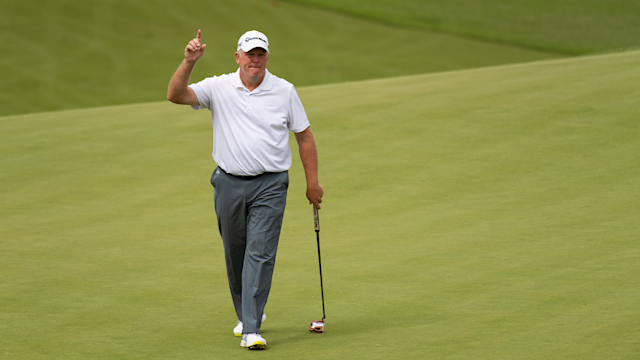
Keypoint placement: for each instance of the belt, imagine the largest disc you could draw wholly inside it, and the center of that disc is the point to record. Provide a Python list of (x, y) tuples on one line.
[(243, 177), (246, 177)]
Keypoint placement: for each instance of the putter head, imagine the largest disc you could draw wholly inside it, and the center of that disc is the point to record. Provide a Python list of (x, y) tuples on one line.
[(317, 326)]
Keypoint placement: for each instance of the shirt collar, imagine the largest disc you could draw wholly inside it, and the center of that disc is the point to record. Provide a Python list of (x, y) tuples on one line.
[(265, 85)]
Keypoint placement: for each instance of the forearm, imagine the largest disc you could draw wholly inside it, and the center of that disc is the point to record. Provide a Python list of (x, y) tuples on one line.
[(178, 85), (309, 157)]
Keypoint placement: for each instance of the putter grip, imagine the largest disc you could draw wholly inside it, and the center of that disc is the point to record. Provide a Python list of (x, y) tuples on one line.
[(316, 219)]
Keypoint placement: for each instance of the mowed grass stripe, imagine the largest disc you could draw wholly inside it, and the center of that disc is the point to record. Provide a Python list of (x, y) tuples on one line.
[(97, 53), (476, 214), (565, 26)]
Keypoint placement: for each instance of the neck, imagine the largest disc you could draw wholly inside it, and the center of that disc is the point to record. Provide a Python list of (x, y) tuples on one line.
[(251, 83)]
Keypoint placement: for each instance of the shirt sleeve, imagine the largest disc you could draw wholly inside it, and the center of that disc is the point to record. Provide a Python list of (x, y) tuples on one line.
[(298, 121), (203, 92)]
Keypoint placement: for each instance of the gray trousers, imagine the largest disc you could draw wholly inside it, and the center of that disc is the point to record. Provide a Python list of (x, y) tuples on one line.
[(249, 214)]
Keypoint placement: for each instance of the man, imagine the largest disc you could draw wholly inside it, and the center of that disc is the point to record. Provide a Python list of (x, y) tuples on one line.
[(252, 112)]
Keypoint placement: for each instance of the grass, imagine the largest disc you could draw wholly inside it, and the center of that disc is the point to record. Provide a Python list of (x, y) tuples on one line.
[(565, 26), (475, 214), (75, 54)]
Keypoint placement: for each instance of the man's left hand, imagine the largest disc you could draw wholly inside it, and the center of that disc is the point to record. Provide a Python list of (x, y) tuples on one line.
[(314, 194)]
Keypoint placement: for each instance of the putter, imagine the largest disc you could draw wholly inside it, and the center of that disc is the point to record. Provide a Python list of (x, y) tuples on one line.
[(318, 326)]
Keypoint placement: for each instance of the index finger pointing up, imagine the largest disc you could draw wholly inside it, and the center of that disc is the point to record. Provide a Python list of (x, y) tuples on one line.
[(199, 34)]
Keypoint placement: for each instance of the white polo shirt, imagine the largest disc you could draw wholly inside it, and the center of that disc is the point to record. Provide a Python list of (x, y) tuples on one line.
[(251, 128)]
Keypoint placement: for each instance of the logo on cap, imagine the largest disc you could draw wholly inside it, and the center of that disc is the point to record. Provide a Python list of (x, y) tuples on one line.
[(255, 38)]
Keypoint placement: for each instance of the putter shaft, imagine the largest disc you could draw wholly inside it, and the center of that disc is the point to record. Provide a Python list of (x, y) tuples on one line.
[(316, 219)]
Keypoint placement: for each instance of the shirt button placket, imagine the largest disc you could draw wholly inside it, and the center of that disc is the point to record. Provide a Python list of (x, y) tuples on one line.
[(247, 102)]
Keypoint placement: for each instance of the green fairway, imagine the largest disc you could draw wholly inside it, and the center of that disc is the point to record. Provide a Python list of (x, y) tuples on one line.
[(478, 214), (70, 54), (565, 26)]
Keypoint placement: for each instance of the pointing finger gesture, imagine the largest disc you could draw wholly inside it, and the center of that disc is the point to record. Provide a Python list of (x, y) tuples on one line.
[(194, 49)]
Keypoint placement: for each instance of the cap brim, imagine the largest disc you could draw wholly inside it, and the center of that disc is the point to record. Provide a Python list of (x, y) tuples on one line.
[(250, 46)]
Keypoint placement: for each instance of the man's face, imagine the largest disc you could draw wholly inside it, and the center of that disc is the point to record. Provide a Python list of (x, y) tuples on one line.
[(253, 63)]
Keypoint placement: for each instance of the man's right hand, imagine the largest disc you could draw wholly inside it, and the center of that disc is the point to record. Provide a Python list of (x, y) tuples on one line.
[(194, 49)]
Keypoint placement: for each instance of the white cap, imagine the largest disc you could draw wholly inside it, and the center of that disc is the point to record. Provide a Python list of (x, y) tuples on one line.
[(251, 40)]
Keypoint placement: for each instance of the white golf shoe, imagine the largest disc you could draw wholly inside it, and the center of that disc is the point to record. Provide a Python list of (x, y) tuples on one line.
[(237, 331), (253, 341)]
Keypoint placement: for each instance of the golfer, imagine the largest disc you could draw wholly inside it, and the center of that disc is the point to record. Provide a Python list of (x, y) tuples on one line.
[(252, 112)]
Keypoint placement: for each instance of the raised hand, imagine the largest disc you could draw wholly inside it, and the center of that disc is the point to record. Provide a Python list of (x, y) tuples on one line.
[(194, 49)]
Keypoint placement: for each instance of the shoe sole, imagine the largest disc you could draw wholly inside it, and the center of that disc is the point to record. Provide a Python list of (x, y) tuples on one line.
[(258, 345)]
